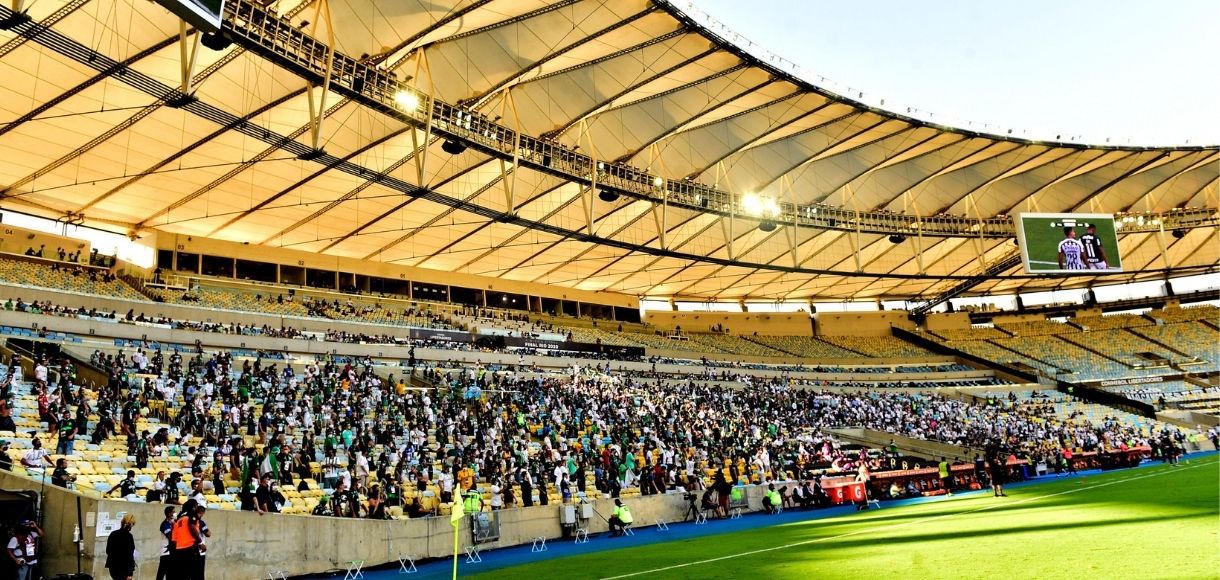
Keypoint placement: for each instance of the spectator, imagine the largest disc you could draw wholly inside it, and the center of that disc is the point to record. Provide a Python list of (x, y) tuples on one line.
[(121, 550), (167, 526), (6, 461)]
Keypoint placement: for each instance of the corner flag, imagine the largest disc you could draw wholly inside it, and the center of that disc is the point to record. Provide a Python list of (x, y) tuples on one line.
[(456, 520)]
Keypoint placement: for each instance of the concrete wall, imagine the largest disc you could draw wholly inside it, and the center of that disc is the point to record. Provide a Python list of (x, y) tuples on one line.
[(947, 321), (739, 323), (200, 245), (861, 323), (245, 545)]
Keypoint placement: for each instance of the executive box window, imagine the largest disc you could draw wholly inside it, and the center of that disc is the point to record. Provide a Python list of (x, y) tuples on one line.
[(294, 275), (320, 278), (188, 262), (258, 271), (469, 296), (425, 291), (217, 266)]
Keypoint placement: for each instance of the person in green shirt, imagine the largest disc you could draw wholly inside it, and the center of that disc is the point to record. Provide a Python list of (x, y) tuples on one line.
[(772, 501), (621, 519), (946, 482), (473, 501)]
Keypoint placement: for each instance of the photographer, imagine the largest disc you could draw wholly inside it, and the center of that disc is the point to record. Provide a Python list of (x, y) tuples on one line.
[(23, 549)]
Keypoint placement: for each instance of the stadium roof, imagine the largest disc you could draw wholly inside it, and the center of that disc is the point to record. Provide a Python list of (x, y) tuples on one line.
[(695, 138)]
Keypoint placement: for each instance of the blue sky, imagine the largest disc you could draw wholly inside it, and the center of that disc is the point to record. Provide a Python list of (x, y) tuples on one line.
[(1147, 72)]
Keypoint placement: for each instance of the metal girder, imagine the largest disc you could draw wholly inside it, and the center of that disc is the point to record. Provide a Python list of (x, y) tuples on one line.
[(733, 241), (609, 107), (42, 26), (630, 223), (510, 239), (750, 143), (834, 149), (961, 163), (92, 80), (1207, 159), (1086, 167), (408, 44), (585, 115), (901, 156), (1122, 176), (198, 78), (1025, 166), (251, 162), (476, 102), (506, 22), (385, 176), (193, 146), (301, 182)]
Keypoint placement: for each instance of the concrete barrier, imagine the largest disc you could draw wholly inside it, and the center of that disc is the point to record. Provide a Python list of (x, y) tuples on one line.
[(245, 545)]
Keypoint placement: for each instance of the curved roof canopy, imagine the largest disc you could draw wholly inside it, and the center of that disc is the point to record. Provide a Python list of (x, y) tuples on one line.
[(614, 146)]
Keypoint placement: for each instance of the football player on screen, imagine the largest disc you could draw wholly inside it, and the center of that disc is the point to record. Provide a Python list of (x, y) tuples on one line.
[(1094, 253), (1070, 250)]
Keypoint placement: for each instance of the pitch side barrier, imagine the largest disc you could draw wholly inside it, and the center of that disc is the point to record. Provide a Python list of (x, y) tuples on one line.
[(941, 349)]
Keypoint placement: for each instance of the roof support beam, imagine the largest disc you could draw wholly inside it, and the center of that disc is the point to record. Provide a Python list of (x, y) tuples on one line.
[(264, 204), (44, 25), (511, 80), (251, 162), (557, 131)]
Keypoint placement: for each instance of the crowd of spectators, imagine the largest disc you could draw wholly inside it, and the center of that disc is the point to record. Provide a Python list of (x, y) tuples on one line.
[(527, 437)]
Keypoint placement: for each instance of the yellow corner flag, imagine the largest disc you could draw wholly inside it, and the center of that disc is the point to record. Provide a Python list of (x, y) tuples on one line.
[(456, 520)]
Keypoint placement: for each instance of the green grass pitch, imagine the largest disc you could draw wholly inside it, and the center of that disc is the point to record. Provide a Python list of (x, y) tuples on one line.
[(1156, 522), (1043, 234)]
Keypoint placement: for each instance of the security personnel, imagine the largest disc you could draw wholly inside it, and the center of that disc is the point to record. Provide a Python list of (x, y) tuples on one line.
[(621, 518), (185, 542), (473, 501), (773, 499), (946, 482)]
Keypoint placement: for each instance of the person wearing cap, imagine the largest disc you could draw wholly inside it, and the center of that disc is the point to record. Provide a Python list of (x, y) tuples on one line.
[(121, 550), (620, 519), (6, 462), (266, 498), (23, 549)]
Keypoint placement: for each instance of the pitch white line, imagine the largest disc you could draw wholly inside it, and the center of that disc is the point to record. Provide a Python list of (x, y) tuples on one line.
[(901, 525)]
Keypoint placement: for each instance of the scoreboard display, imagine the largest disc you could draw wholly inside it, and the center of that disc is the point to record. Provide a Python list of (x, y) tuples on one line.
[(1068, 243), (204, 15)]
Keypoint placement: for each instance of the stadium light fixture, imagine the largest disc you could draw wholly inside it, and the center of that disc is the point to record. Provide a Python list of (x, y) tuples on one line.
[(657, 181), (406, 100), (751, 203)]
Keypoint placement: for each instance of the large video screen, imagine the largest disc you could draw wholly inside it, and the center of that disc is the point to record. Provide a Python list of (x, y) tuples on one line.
[(202, 14), (1068, 243)]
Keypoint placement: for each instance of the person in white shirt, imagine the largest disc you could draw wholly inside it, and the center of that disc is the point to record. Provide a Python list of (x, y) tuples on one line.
[(36, 456), (497, 496), (362, 470), (40, 373), (446, 481)]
